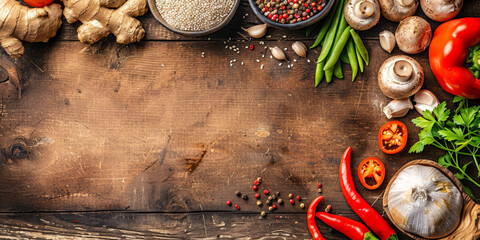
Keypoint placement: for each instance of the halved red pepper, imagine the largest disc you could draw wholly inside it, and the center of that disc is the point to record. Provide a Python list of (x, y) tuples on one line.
[(371, 173), (392, 137), (455, 57)]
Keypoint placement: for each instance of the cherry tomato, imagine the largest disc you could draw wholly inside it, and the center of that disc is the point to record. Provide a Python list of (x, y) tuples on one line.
[(392, 137), (371, 173), (38, 3)]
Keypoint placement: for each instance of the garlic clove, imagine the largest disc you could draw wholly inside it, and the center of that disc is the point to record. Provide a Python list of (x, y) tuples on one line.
[(387, 40), (278, 53), (398, 108), (256, 31), (300, 49), (425, 100)]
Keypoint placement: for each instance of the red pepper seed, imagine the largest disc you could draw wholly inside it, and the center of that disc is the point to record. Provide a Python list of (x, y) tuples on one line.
[(255, 182), (229, 203), (307, 10), (292, 201), (266, 192), (319, 8), (255, 187), (299, 198), (295, 1), (274, 206), (319, 185), (313, 4), (257, 195), (75, 221), (237, 207)]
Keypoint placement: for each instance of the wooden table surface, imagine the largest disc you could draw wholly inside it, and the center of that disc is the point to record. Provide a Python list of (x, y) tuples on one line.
[(149, 140)]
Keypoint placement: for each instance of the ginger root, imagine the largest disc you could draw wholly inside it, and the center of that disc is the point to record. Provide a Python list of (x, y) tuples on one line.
[(18, 22), (99, 19)]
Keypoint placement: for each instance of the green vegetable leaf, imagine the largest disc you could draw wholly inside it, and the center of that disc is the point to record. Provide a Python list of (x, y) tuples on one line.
[(457, 99), (464, 167), (451, 134), (416, 148), (423, 123), (445, 161), (426, 137), (457, 119), (468, 191), (428, 115), (459, 176), (441, 112)]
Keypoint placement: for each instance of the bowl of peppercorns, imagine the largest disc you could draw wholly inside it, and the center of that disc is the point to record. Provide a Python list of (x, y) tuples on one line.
[(291, 14)]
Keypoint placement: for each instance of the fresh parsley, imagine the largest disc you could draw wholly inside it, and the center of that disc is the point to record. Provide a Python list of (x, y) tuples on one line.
[(457, 134)]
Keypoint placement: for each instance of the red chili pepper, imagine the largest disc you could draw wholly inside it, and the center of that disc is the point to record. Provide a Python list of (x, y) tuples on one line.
[(455, 57), (38, 3), (350, 228), (312, 225), (371, 217)]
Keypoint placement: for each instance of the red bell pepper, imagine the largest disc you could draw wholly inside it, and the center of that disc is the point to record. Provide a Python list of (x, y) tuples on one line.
[(455, 57), (350, 228)]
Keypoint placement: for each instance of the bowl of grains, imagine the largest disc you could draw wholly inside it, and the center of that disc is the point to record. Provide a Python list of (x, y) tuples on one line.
[(193, 17), (291, 14)]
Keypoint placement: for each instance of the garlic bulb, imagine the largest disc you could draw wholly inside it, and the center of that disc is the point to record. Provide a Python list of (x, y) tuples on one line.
[(398, 108), (423, 201), (256, 31), (278, 53), (425, 100)]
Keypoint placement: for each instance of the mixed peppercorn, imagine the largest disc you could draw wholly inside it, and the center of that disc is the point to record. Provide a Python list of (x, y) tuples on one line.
[(290, 11)]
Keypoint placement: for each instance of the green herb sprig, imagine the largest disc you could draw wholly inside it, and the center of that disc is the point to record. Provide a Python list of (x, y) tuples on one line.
[(458, 134)]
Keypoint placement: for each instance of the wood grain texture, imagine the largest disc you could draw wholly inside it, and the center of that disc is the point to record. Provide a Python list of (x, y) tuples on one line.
[(149, 140)]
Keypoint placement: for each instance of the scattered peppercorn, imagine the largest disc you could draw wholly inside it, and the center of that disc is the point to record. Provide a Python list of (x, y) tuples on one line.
[(274, 206), (299, 198), (270, 198), (75, 221), (259, 203), (255, 187), (256, 183), (290, 195), (319, 185), (319, 190), (302, 205), (257, 195), (244, 196), (259, 179), (277, 193), (237, 207), (266, 192), (328, 209), (292, 201), (268, 202), (251, 47), (238, 193), (229, 203), (263, 213), (270, 208), (280, 201)]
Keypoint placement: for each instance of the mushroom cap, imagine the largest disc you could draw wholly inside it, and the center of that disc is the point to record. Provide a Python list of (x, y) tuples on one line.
[(397, 10), (362, 14), (413, 35), (400, 77), (441, 10)]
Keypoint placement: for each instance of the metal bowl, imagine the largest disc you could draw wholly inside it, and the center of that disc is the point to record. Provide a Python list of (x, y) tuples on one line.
[(153, 8), (317, 17)]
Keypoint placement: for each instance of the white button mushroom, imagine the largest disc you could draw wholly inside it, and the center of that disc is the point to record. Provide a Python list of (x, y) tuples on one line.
[(413, 35), (400, 77), (441, 10), (362, 14), (397, 10)]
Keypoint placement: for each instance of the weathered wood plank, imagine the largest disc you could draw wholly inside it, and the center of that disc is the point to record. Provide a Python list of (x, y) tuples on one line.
[(246, 17), (122, 225), (152, 127)]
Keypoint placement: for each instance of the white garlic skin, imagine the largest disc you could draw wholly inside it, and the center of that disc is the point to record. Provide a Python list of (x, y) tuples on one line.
[(423, 201), (256, 31)]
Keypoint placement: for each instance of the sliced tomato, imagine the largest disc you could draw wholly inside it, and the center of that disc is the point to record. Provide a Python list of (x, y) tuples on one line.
[(38, 3), (371, 173), (392, 137)]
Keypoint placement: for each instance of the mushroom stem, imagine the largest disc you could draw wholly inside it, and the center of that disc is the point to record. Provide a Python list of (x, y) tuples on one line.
[(406, 3), (402, 70), (364, 9)]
